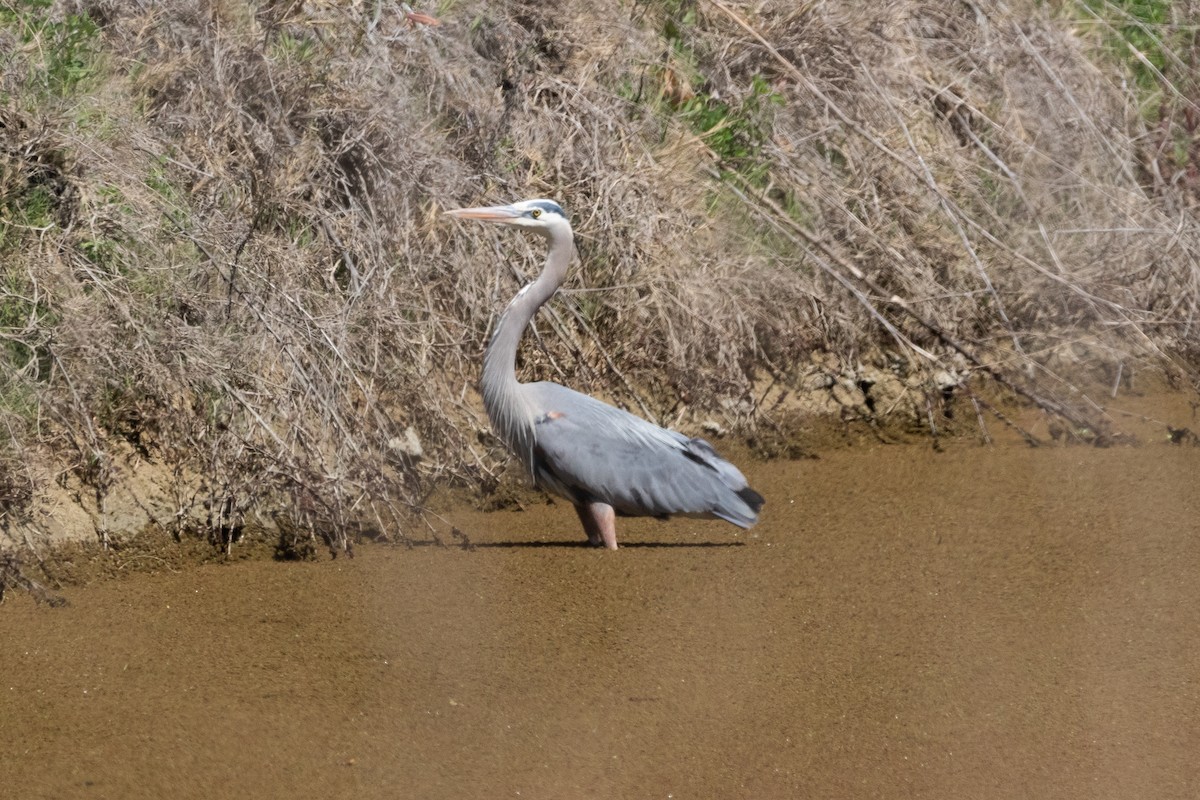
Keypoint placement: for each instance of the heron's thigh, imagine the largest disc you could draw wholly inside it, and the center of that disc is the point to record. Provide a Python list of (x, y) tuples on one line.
[(599, 522)]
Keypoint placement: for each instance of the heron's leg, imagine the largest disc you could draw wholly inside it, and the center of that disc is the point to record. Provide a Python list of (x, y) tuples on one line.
[(600, 522)]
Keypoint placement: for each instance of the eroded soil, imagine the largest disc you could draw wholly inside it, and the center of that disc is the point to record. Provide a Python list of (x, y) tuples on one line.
[(985, 622)]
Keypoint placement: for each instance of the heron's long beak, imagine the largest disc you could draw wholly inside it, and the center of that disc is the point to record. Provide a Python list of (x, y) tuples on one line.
[(489, 213)]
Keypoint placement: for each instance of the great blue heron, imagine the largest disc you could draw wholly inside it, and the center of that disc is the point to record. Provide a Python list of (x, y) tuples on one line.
[(604, 460)]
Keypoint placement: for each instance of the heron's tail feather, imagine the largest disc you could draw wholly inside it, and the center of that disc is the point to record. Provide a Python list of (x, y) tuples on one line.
[(742, 508), (752, 499), (742, 511)]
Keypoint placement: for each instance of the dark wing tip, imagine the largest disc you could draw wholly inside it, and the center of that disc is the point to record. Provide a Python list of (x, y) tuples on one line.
[(752, 499)]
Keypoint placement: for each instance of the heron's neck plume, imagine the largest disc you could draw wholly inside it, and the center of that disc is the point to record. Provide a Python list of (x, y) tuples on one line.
[(507, 409)]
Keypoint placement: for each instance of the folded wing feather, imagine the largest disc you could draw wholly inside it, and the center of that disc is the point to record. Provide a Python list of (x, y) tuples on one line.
[(586, 450)]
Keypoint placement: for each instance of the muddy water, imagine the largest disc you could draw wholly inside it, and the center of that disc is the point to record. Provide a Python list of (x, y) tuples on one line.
[(979, 623)]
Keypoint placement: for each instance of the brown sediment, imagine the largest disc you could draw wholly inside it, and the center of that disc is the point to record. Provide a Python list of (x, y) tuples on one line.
[(983, 622)]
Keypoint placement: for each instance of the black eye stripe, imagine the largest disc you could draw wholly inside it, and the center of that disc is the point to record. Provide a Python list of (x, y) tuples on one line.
[(545, 207)]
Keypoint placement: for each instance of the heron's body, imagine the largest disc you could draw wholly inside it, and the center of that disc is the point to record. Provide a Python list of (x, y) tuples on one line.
[(606, 461)]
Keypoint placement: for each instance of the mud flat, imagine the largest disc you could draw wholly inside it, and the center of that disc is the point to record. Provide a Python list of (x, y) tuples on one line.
[(984, 622)]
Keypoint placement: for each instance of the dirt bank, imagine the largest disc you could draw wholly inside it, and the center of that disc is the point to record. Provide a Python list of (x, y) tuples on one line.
[(977, 623)]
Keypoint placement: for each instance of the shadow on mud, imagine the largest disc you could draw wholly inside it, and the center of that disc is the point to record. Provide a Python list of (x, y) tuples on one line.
[(587, 546)]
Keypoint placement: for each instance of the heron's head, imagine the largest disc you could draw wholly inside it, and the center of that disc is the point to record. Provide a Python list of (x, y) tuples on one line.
[(542, 216)]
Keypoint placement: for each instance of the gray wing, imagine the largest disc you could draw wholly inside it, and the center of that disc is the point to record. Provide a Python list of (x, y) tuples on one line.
[(587, 450)]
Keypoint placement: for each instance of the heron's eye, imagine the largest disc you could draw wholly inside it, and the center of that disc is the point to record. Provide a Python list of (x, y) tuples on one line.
[(537, 212)]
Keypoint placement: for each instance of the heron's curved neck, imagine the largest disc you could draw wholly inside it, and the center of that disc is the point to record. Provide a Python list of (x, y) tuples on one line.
[(506, 408)]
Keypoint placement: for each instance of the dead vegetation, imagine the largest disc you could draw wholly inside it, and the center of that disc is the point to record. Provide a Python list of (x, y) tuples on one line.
[(224, 264)]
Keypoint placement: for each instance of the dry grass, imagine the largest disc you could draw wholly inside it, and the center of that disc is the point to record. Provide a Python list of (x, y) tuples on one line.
[(223, 252)]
